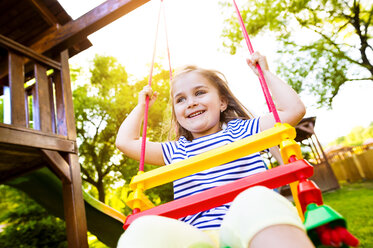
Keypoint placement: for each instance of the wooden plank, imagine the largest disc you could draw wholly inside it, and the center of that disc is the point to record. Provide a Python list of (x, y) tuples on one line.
[(78, 196), (10, 134), (58, 164), (77, 30), (34, 23), (70, 214), (15, 161), (38, 25), (13, 45), (65, 108), (17, 91), (12, 21), (76, 225), (41, 108), (60, 105), (44, 12)]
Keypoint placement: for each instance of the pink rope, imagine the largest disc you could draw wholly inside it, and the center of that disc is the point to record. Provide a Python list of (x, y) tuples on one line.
[(168, 49), (143, 140), (263, 82), (145, 126)]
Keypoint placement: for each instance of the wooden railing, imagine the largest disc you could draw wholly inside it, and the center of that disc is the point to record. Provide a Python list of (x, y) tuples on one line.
[(43, 108), (39, 126)]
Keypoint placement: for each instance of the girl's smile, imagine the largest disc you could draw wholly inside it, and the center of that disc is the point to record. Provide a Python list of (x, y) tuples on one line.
[(195, 114), (197, 104)]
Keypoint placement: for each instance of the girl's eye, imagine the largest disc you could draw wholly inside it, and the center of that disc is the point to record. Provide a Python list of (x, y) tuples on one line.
[(200, 92), (180, 99)]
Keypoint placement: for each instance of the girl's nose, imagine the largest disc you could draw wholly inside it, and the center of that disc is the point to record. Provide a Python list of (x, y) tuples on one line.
[(192, 102)]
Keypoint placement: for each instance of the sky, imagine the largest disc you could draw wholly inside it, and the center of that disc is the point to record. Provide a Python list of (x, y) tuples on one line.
[(194, 28)]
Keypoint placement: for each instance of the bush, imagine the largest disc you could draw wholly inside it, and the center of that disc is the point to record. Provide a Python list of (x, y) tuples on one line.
[(29, 225)]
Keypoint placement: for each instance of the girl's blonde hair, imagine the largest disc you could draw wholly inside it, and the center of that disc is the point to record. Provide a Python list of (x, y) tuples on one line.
[(235, 109)]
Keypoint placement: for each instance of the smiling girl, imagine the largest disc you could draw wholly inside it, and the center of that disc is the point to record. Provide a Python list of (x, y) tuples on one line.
[(206, 115)]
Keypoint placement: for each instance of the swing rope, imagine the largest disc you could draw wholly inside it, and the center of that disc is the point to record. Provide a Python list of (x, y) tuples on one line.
[(168, 48), (145, 124), (263, 82)]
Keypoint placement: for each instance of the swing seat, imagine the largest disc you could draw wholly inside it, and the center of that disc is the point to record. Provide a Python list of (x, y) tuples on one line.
[(224, 154), (218, 196)]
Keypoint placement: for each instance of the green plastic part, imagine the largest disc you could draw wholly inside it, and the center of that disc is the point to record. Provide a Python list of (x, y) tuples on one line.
[(316, 216)]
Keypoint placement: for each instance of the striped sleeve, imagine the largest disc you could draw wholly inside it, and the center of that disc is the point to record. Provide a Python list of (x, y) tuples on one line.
[(256, 129), (168, 151), (244, 128)]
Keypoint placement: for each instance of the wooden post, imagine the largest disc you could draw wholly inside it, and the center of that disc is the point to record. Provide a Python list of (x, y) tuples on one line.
[(17, 90), (64, 100), (315, 150), (76, 224), (332, 177), (41, 98)]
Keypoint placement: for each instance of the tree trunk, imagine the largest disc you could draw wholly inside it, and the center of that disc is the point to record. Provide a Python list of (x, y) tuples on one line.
[(101, 191)]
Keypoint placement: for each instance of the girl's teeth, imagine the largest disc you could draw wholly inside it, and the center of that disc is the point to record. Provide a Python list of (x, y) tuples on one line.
[(195, 114)]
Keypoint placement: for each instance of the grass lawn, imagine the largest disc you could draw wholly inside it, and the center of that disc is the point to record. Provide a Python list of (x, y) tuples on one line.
[(355, 203)]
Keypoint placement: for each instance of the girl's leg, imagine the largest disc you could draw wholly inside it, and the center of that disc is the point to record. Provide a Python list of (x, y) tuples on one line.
[(287, 236), (259, 217), (161, 232)]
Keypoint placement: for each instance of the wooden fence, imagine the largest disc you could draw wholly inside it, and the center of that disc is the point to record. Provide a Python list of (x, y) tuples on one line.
[(351, 164)]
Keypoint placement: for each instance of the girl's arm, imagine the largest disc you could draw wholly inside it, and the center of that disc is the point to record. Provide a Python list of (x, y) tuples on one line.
[(289, 106), (128, 138)]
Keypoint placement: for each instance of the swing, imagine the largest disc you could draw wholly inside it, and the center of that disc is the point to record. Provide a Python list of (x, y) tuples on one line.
[(320, 220)]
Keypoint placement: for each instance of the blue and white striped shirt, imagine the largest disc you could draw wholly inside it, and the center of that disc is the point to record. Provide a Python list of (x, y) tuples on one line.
[(175, 151)]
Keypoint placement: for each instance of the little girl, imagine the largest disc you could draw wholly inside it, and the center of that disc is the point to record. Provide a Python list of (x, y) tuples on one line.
[(206, 115)]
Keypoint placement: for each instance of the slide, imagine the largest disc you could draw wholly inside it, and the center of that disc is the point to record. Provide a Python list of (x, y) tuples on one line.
[(46, 189)]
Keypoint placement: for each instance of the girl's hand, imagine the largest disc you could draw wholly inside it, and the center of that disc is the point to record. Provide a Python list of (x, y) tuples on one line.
[(129, 140), (147, 91), (257, 58)]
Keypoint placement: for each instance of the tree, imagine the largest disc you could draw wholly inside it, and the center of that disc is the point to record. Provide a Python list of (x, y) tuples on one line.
[(324, 43), (27, 224), (357, 136), (100, 107), (368, 132)]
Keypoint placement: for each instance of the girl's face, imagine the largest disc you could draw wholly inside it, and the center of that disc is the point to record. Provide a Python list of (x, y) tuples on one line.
[(197, 104)]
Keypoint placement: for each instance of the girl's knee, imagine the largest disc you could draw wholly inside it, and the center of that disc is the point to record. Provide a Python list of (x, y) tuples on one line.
[(258, 193), (260, 197), (140, 226), (149, 222), (162, 232), (255, 209)]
